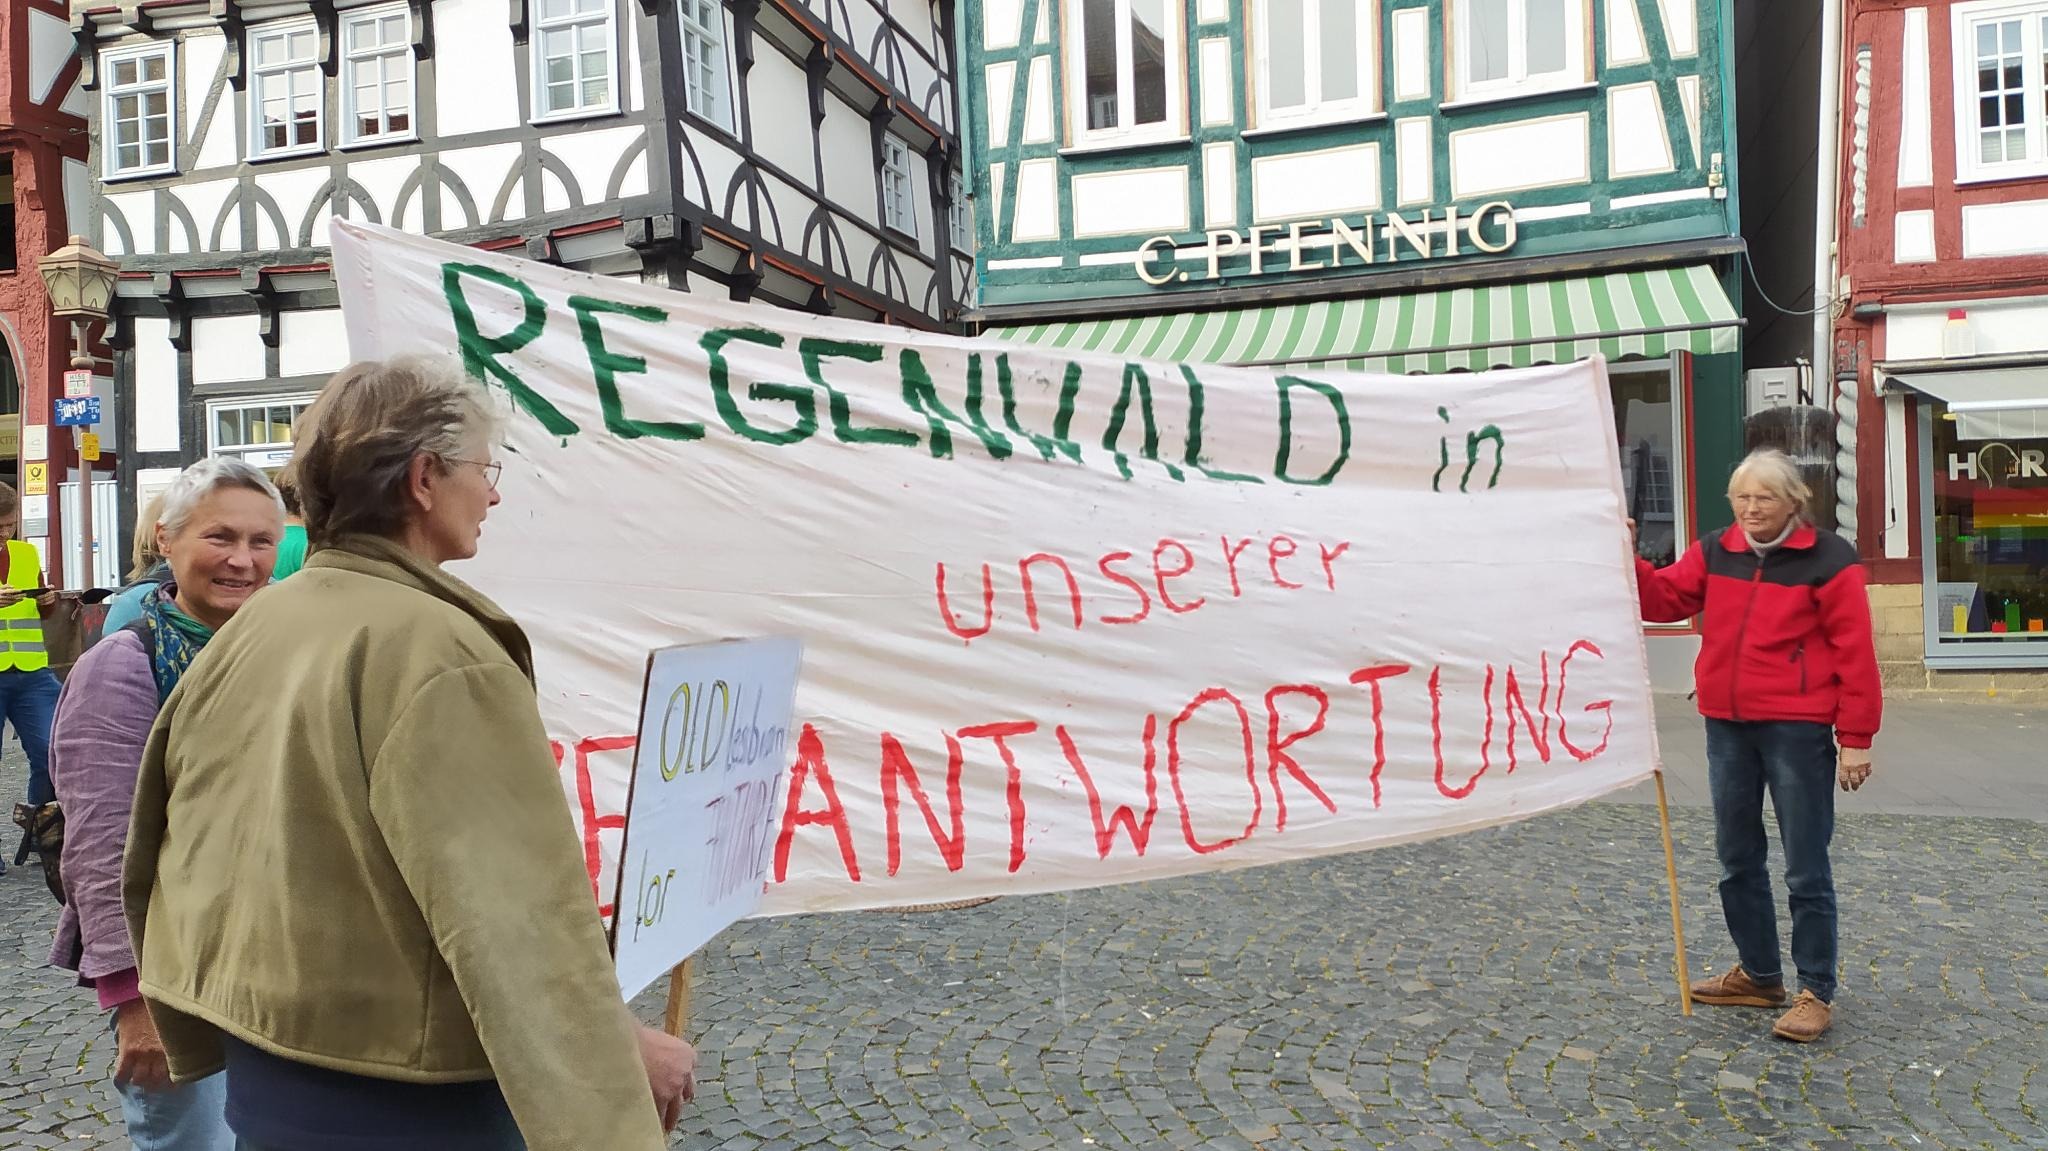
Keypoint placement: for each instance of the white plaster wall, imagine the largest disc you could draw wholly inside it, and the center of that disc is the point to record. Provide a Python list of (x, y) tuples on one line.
[(156, 387), (293, 191), (476, 75), (1913, 237), (1520, 156), (2003, 327), (219, 148), (226, 349), (1000, 82), (2019, 228), (1147, 200), (850, 162), (1637, 143), (593, 154), (381, 178), (311, 342), (49, 48), (139, 210), (780, 101), (1038, 209), (1319, 183)]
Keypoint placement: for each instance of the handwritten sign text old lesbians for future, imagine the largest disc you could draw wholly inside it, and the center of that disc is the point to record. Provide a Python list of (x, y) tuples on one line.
[(1068, 619), (701, 806)]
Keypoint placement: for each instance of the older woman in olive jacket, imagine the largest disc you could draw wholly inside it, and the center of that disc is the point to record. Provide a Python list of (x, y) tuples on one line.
[(363, 895)]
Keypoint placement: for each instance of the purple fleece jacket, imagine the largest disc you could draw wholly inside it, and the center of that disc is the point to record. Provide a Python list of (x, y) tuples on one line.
[(103, 719)]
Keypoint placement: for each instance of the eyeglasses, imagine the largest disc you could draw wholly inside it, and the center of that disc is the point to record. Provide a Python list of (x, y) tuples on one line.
[(491, 468)]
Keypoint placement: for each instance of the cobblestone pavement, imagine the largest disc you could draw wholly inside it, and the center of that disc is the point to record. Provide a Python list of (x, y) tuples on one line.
[(1510, 988)]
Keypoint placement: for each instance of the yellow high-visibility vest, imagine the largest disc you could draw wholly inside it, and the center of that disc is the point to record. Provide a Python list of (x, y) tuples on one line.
[(21, 626)]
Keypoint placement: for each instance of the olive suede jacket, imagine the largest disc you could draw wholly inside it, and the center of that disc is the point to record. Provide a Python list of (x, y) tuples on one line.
[(349, 848)]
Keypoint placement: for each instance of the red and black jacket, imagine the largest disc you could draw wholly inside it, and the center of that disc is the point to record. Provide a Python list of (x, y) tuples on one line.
[(1785, 636)]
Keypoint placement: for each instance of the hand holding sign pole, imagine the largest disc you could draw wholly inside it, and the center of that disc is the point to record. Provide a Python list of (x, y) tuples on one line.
[(701, 808)]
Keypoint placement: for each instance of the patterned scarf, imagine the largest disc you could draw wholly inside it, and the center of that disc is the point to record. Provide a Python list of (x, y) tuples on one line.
[(174, 638)]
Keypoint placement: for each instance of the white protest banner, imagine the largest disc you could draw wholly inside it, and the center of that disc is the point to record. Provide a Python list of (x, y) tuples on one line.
[(1068, 620), (701, 810)]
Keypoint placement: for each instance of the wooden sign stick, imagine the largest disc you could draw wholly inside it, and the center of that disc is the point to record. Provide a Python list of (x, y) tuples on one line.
[(1677, 920), (677, 1016)]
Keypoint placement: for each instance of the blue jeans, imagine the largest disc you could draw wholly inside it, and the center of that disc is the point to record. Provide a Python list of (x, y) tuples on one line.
[(28, 702), (1795, 762), (191, 1117)]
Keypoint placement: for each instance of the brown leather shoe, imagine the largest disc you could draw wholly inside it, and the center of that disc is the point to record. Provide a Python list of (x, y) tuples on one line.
[(1807, 1021), (1737, 989)]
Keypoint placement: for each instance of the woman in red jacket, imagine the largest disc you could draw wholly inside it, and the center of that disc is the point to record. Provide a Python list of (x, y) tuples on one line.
[(1786, 672)]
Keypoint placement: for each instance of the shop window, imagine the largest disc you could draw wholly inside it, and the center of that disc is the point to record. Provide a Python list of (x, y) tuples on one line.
[(1988, 522), (2001, 55), (1317, 61), (285, 89), (1518, 47), (259, 431), (705, 89), (136, 111), (7, 236), (377, 89), (1125, 64), (576, 59), (899, 197), (1647, 425)]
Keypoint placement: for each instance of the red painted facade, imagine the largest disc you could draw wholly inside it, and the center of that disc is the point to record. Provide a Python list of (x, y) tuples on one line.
[(38, 137), (1865, 247)]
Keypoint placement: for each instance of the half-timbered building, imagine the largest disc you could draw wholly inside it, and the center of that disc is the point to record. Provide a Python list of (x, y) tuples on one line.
[(43, 191), (1399, 185), (1941, 341), (796, 153)]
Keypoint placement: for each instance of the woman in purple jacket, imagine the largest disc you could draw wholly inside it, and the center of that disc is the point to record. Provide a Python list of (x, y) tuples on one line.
[(218, 529)]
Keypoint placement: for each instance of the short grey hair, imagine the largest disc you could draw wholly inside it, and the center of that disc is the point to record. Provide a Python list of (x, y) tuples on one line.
[(203, 479), (1777, 473), (354, 445)]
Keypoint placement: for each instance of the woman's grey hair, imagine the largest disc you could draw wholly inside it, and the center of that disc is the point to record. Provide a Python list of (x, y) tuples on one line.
[(1777, 473), (203, 479), (354, 447)]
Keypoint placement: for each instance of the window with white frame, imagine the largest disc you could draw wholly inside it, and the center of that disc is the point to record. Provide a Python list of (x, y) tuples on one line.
[(1316, 61), (959, 222), (135, 113), (260, 431), (899, 199), (1127, 79), (2001, 55), (706, 90), (377, 75), (1515, 47), (576, 59), (285, 89)]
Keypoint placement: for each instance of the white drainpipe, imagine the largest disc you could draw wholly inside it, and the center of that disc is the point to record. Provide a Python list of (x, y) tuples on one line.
[(1828, 207)]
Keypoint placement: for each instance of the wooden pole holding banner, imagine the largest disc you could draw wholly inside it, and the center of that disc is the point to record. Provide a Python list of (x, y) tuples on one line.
[(677, 1016), (1677, 920)]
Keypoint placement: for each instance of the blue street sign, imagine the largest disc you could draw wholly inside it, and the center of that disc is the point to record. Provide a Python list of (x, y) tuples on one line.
[(82, 412)]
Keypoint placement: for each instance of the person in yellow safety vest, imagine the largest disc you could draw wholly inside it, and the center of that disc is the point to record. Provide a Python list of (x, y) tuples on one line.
[(28, 689)]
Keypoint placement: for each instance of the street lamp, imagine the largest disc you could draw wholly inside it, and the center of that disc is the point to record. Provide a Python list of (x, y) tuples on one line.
[(81, 284)]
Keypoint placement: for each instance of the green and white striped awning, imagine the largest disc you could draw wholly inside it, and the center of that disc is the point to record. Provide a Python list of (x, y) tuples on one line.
[(1621, 314)]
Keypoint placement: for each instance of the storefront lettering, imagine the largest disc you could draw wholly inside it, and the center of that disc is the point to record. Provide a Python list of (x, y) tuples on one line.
[(1994, 462), (1377, 238)]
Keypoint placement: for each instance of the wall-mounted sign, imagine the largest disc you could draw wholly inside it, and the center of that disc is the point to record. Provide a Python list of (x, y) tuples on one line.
[(35, 442), (1997, 464), (79, 413), (35, 478), (1321, 245), (77, 383)]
